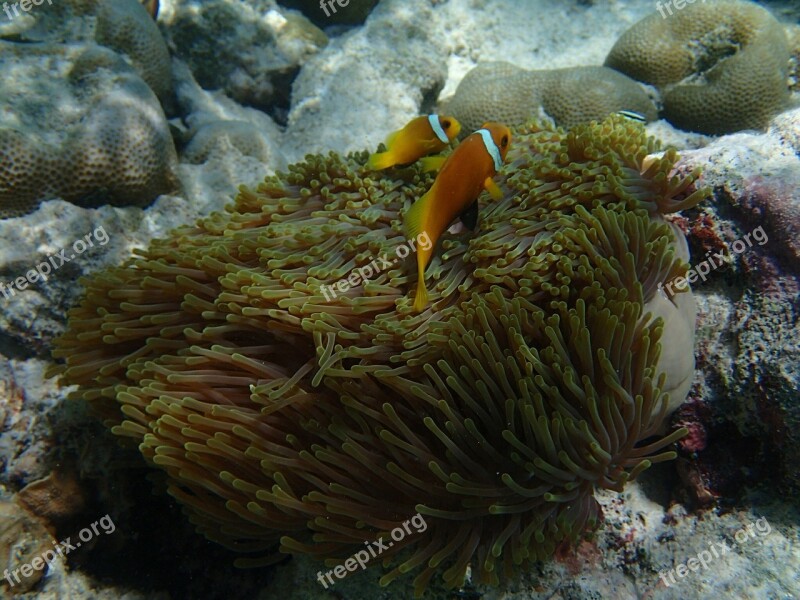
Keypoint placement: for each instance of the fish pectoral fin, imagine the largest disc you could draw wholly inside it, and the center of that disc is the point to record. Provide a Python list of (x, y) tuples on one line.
[(380, 161), (470, 216), (432, 163), (493, 189)]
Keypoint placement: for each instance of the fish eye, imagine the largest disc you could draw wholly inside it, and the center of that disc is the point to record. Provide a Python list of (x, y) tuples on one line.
[(446, 124), (504, 141)]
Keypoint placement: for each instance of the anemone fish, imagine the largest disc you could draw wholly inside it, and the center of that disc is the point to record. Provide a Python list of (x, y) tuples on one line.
[(632, 115), (463, 176), (420, 137)]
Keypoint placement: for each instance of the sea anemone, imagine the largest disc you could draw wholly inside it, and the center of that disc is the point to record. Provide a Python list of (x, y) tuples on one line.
[(286, 419)]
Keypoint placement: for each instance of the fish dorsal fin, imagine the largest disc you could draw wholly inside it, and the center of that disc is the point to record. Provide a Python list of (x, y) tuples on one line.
[(390, 139)]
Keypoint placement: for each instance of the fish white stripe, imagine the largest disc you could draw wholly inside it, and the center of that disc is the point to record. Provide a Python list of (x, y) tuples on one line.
[(437, 128), (491, 148), (633, 116)]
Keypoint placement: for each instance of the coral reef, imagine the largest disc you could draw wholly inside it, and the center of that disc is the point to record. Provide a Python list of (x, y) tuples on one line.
[(126, 27), (721, 67), (739, 461), (499, 91), (793, 37), (549, 353), (346, 12), (410, 53), (748, 312), (23, 538), (96, 134), (219, 135), (252, 51)]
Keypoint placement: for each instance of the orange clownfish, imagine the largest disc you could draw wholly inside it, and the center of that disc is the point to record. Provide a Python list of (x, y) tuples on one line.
[(464, 174), (420, 137)]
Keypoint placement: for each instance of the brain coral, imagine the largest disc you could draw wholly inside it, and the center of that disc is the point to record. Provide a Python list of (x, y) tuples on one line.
[(721, 66), (793, 35), (114, 147), (530, 380), (126, 26), (500, 91)]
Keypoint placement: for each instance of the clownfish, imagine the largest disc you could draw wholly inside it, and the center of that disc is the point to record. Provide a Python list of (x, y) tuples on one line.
[(463, 176), (421, 136)]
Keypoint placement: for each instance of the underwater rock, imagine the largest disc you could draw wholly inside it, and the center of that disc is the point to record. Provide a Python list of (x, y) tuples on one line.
[(342, 97), (22, 539), (30, 318), (222, 136), (226, 144), (251, 50), (745, 307), (721, 67), (90, 132), (55, 498), (120, 25), (335, 12), (562, 283), (499, 91)]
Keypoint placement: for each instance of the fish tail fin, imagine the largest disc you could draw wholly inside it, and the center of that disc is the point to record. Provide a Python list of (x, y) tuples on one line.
[(421, 299), (380, 161), (415, 224)]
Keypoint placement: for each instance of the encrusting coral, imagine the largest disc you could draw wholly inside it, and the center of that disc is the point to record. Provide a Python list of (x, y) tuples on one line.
[(500, 91), (720, 66), (534, 376)]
